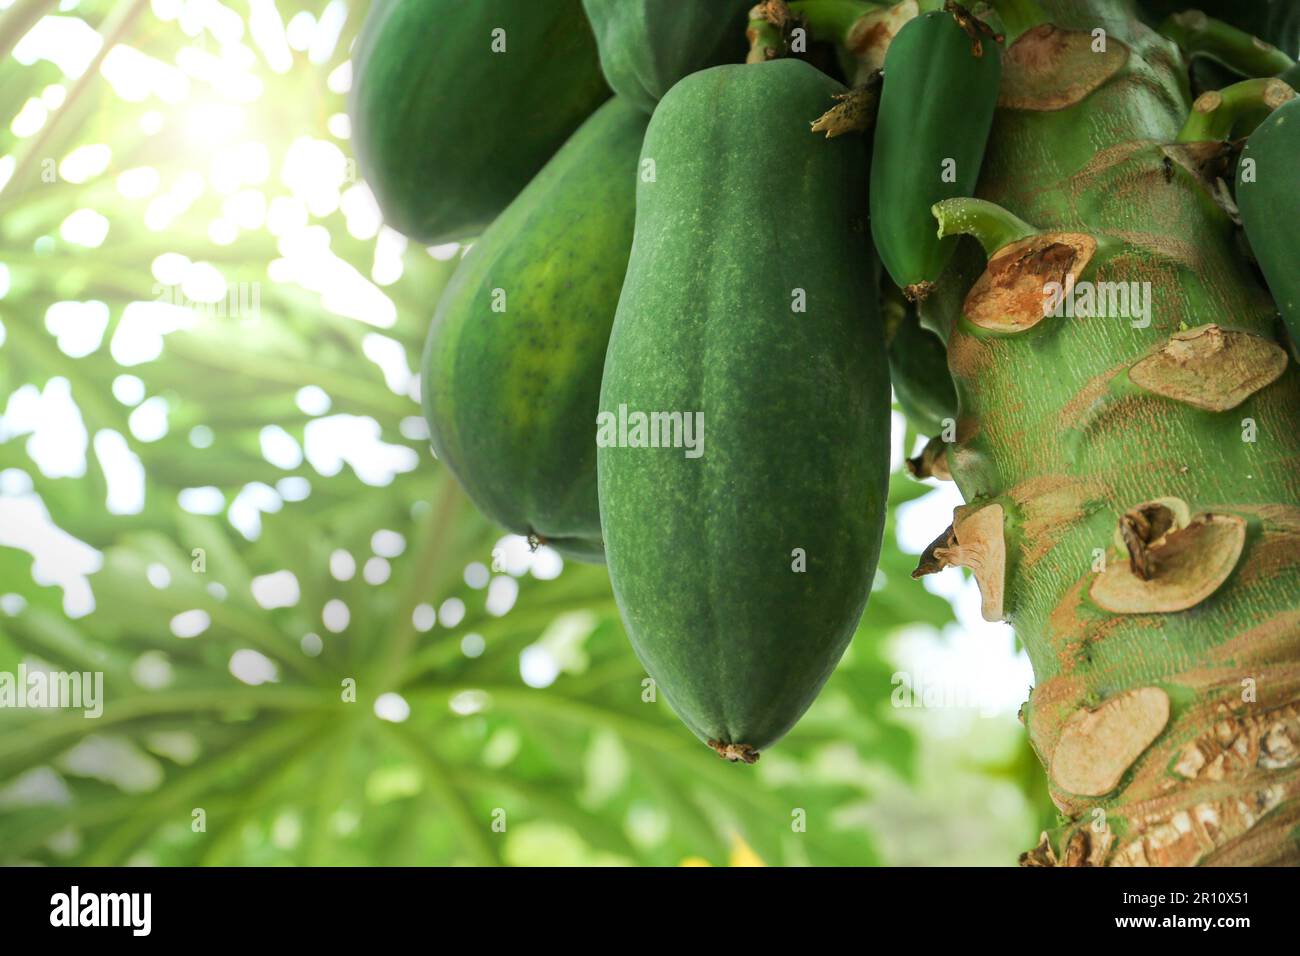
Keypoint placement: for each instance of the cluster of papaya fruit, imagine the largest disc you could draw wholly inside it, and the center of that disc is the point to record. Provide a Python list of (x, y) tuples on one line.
[(664, 349)]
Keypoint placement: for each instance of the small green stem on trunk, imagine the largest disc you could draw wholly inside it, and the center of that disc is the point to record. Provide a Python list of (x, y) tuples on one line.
[(772, 25), (1233, 110), (988, 222), (1199, 35)]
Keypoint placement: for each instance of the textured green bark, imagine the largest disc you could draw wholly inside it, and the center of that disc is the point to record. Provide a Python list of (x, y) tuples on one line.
[(1054, 430), (512, 365), (741, 573)]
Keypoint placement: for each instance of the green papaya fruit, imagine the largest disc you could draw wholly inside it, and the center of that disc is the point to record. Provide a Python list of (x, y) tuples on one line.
[(455, 106), (648, 45), (743, 437), (1269, 202), (936, 107), (512, 364), (918, 370)]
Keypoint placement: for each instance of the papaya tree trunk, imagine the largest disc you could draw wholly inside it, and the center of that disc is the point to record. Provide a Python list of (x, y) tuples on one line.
[(1130, 466)]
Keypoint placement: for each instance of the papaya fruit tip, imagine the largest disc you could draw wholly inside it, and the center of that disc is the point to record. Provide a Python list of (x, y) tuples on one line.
[(743, 753), (917, 291)]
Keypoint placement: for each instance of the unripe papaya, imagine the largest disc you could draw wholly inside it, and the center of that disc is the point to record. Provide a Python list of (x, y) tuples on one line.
[(455, 106), (512, 364), (1269, 202), (918, 370), (743, 440), (648, 45), (936, 107)]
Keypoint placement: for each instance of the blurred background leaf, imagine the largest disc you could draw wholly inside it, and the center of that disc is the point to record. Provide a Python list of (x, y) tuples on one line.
[(216, 490)]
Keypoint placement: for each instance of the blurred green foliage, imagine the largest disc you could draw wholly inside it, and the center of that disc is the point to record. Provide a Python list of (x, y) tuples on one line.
[(286, 769)]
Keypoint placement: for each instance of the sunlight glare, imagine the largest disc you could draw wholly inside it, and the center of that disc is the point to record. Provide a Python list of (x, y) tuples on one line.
[(332, 441), (139, 182), (267, 29), (253, 667), (148, 421), (136, 76), (30, 118), (70, 43), (206, 500), (392, 707), (123, 473), (190, 623), (85, 227), (279, 448), (342, 565), (245, 513), (78, 326), (58, 557), (129, 390), (277, 589), (85, 162), (138, 337), (58, 435), (335, 616)]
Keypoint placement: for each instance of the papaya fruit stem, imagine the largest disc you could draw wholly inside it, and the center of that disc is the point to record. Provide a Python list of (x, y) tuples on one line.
[(1199, 35), (770, 25), (858, 30), (1234, 110), (764, 42), (974, 27), (988, 222), (932, 462)]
